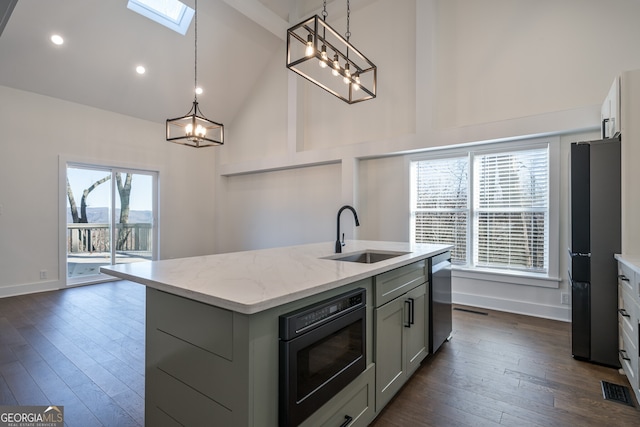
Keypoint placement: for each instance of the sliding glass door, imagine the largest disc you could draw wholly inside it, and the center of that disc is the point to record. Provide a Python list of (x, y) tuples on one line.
[(110, 219)]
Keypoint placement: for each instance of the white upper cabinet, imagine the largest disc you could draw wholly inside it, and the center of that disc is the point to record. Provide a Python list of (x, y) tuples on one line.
[(610, 112)]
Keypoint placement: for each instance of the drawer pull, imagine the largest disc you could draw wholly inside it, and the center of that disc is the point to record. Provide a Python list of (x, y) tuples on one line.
[(623, 277), (623, 312), (622, 354), (347, 421), (408, 313), (413, 313)]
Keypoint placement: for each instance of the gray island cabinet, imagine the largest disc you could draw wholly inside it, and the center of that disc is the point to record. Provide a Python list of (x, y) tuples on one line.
[(212, 330), (401, 328)]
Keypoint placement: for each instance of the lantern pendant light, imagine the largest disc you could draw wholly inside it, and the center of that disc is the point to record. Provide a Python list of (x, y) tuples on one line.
[(195, 130)]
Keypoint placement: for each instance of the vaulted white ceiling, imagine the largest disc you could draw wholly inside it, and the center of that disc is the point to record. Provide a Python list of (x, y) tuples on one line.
[(105, 41)]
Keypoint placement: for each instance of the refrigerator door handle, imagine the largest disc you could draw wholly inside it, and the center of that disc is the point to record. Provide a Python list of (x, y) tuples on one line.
[(575, 254)]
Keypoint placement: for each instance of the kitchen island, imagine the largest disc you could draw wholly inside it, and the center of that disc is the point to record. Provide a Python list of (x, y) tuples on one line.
[(212, 332)]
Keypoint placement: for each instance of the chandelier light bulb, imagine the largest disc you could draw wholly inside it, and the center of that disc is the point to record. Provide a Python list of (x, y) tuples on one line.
[(336, 65), (199, 90), (347, 74), (309, 50), (323, 57), (201, 131), (188, 130), (356, 81)]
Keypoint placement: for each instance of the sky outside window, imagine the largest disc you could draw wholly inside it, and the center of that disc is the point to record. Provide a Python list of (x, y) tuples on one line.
[(81, 179)]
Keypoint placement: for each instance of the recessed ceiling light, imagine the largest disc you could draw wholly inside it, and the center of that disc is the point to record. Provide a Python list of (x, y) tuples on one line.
[(56, 39), (199, 91), (140, 69)]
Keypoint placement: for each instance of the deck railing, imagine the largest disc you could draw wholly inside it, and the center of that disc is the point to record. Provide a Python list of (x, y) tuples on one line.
[(89, 238)]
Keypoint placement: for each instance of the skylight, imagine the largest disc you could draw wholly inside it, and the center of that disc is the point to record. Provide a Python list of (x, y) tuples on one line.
[(170, 13)]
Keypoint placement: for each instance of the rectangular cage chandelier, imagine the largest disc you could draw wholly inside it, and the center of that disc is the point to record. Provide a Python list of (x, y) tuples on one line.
[(318, 53)]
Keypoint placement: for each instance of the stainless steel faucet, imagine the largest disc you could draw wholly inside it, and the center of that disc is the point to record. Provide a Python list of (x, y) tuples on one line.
[(340, 244)]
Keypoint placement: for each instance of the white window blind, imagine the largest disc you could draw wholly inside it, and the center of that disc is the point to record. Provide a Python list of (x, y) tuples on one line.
[(440, 210), (492, 206), (511, 210)]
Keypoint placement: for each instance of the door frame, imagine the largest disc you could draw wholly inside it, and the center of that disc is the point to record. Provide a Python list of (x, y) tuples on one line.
[(65, 161)]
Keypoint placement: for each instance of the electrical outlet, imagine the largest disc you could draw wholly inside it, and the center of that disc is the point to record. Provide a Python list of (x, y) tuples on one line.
[(43, 274), (564, 298)]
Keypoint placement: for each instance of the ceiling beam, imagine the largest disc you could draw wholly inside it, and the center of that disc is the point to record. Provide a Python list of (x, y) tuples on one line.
[(6, 7), (262, 16)]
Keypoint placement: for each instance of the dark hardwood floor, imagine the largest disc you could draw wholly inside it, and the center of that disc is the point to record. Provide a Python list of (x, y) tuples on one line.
[(84, 348), (507, 369)]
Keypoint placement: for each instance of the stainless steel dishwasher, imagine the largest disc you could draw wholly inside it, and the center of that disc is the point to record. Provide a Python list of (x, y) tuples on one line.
[(440, 324)]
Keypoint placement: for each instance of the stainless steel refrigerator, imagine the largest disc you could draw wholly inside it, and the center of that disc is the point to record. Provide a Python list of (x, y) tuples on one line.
[(595, 238)]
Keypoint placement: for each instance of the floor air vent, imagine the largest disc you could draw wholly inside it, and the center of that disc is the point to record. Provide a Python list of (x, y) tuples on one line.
[(466, 310), (617, 393)]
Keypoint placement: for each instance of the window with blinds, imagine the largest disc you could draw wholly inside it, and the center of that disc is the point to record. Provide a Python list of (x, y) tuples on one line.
[(511, 210), (440, 210), (492, 206)]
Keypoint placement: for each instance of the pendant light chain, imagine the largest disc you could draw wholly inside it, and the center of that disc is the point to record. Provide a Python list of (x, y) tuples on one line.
[(195, 66), (324, 11), (348, 33)]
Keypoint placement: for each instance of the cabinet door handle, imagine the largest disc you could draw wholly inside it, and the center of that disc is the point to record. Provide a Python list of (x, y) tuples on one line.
[(347, 421), (408, 318), (604, 128), (412, 311), (622, 354), (623, 277), (623, 312)]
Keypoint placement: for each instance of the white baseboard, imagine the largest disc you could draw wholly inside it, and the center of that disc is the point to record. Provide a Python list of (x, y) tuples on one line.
[(50, 285), (562, 313), (30, 288)]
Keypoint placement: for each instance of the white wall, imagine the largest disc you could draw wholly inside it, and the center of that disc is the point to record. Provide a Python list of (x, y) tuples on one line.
[(383, 198), (450, 72), (630, 159), (499, 59), (36, 131), (263, 129), (280, 208)]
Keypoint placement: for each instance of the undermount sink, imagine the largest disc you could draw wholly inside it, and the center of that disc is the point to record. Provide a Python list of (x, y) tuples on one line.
[(366, 257)]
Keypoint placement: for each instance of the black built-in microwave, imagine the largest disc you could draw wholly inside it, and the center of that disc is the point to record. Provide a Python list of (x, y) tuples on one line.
[(322, 349)]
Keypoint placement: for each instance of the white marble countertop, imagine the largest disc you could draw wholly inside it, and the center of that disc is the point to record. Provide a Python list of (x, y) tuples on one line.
[(633, 262), (253, 281)]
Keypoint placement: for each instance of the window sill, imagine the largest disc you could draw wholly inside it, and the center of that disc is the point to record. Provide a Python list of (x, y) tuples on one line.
[(511, 277)]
